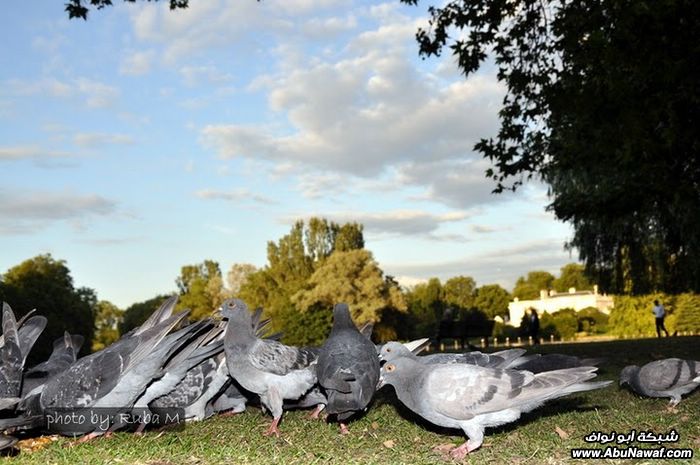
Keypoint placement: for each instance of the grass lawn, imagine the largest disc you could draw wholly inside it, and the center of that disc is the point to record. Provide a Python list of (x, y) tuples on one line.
[(390, 434)]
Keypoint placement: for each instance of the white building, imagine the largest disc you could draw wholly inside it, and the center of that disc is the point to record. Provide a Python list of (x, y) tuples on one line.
[(553, 301)]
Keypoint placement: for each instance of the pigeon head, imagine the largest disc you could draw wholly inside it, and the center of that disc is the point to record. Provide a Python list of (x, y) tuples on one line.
[(627, 373), (234, 309), (392, 350), (399, 372)]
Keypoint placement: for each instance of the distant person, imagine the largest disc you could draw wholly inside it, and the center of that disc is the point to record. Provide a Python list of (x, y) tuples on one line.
[(659, 315), (533, 326)]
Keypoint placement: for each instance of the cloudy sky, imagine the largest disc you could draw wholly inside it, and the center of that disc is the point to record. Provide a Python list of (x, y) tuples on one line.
[(142, 140)]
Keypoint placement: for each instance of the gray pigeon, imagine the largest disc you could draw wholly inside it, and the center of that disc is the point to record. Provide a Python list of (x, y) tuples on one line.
[(503, 359), (348, 368), (65, 353), (268, 368), (670, 377), (95, 376), (11, 360), (473, 398)]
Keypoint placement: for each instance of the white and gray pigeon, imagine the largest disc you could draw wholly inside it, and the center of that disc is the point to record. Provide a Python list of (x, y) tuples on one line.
[(472, 398), (670, 377), (270, 369), (348, 368), (503, 359)]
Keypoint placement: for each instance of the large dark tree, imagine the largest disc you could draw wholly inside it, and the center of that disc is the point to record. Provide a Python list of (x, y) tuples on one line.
[(602, 103), (46, 284)]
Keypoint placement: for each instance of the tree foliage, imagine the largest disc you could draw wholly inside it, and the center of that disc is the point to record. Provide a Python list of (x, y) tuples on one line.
[(459, 292), (426, 306), (46, 284), (527, 288), (602, 104), (80, 9), (493, 300), (572, 275), (291, 261), (201, 289), (138, 312), (107, 319), (355, 278)]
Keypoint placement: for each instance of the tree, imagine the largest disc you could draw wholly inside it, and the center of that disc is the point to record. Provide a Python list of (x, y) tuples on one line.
[(602, 104), (493, 300), (572, 275), (426, 307), (291, 262), (201, 289), (459, 292), (237, 276), (139, 312), (78, 8), (352, 277), (46, 284), (107, 320), (530, 287)]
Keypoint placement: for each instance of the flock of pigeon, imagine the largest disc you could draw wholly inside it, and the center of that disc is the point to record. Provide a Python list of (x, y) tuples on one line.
[(216, 366)]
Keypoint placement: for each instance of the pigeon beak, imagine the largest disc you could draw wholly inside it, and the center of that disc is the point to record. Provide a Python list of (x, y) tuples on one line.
[(381, 382)]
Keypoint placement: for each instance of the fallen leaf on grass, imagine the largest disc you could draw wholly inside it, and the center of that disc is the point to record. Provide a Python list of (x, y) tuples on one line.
[(375, 425), (390, 443), (562, 434), (30, 445)]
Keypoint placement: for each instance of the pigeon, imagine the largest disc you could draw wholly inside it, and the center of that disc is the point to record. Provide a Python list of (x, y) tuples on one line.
[(65, 353), (503, 359), (11, 360), (670, 377), (230, 401), (348, 368), (268, 368), (95, 376), (537, 363), (473, 398)]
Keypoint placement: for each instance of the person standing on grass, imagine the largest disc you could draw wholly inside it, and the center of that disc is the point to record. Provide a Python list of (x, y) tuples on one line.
[(533, 326), (659, 315)]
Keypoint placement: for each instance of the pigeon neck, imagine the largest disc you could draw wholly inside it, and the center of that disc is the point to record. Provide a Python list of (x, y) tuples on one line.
[(342, 320)]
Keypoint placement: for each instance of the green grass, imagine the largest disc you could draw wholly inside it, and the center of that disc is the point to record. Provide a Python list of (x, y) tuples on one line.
[(389, 434)]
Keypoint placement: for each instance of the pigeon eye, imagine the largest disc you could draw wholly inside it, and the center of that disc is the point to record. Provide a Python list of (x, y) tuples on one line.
[(390, 367), (388, 350)]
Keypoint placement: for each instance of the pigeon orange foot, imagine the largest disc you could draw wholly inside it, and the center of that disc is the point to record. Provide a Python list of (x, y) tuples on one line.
[(460, 452), (273, 428), (344, 428)]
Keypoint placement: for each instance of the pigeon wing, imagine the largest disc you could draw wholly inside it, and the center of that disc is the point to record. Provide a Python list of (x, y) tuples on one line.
[(464, 391), (664, 375), (274, 357)]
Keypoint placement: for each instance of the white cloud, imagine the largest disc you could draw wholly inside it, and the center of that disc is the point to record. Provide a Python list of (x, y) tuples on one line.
[(501, 265), (197, 75), (26, 211), (235, 195), (95, 94), (22, 152), (137, 63), (399, 222), (90, 140)]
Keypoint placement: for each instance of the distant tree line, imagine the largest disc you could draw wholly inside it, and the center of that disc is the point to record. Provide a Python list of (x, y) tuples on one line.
[(315, 265)]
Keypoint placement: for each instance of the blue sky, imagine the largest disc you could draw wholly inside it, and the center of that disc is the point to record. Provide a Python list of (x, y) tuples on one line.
[(142, 140)]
